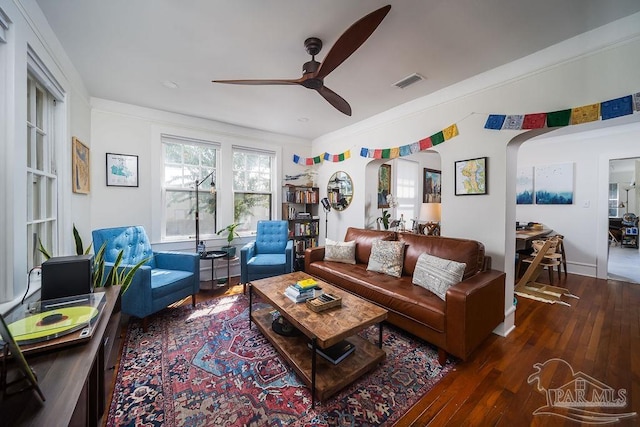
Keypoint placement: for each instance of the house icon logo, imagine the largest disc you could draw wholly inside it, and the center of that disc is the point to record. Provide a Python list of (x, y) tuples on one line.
[(577, 396)]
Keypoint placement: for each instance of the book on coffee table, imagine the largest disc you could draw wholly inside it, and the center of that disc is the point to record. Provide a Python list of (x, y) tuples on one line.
[(337, 352)]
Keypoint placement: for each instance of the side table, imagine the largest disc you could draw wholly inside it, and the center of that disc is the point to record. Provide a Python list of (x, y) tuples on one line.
[(213, 256)]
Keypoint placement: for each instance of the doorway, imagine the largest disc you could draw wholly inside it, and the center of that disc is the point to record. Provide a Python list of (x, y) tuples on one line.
[(624, 256)]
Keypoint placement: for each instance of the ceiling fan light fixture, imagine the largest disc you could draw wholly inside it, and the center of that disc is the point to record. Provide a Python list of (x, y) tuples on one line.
[(409, 80)]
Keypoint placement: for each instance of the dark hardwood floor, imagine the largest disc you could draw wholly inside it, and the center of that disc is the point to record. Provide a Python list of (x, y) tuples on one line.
[(598, 337)]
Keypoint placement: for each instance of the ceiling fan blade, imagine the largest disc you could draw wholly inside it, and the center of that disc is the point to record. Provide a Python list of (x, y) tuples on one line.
[(259, 82), (351, 40), (336, 100)]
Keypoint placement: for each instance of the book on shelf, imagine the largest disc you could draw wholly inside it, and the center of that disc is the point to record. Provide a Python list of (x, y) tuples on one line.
[(337, 352)]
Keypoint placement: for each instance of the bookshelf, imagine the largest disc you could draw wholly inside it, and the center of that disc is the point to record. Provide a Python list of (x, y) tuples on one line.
[(300, 209)]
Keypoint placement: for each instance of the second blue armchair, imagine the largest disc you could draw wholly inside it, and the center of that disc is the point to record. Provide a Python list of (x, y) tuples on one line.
[(271, 254)]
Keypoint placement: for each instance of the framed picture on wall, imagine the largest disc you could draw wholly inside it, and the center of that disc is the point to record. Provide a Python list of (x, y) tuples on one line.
[(384, 185), (432, 186), (122, 170), (80, 167), (471, 176)]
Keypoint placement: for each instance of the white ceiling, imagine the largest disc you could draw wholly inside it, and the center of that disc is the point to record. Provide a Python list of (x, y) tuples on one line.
[(125, 49)]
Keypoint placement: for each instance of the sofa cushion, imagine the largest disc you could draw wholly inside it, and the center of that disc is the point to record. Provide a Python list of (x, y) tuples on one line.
[(364, 239), (340, 251), (387, 257), (466, 251), (437, 274)]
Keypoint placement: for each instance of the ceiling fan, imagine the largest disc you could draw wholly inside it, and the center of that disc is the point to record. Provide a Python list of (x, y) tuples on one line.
[(314, 72)]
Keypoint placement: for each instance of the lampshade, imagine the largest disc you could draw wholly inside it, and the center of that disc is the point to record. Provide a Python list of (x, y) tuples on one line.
[(430, 212)]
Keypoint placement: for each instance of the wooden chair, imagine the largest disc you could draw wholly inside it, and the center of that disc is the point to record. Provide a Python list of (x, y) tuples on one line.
[(529, 288), (550, 259)]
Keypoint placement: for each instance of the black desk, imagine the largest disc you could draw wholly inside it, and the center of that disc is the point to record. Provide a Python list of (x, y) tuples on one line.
[(213, 256)]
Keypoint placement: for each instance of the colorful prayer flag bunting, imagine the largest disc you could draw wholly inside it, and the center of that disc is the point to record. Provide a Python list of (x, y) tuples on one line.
[(558, 118), (534, 121), (610, 109), (585, 114), (338, 157), (425, 143), (307, 161), (617, 107), (495, 121), (450, 132), (513, 122)]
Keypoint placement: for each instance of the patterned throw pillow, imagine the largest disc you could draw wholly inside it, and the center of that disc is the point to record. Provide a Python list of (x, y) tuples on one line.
[(387, 257), (437, 274), (340, 251)]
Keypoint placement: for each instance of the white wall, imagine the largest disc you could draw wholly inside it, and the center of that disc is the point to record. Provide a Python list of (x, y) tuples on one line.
[(127, 129), (601, 66), (29, 28)]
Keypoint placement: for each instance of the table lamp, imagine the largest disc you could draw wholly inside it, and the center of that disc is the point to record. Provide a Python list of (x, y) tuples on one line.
[(430, 214)]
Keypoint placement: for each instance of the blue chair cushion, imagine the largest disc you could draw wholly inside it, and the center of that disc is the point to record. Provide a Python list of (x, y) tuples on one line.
[(166, 282), (267, 263)]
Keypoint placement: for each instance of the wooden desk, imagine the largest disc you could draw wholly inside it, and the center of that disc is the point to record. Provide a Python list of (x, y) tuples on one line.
[(72, 379), (525, 237)]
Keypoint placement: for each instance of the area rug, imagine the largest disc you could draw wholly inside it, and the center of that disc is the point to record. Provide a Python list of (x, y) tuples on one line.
[(203, 366)]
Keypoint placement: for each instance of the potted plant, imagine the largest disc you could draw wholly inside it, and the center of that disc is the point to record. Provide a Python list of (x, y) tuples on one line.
[(117, 275), (231, 234)]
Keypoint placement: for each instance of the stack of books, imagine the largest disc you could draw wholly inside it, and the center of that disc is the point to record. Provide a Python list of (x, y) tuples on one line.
[(303, 290)]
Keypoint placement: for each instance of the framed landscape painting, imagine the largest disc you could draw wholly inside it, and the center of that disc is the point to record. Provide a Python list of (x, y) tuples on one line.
[(432, 186), (554, 184), (471, 176)]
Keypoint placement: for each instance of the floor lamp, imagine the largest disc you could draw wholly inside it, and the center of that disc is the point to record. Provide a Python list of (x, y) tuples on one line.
[(327, 208), (213, 191)]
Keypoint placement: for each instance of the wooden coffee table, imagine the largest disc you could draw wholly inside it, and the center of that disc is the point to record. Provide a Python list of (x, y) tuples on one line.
[(322, 329)]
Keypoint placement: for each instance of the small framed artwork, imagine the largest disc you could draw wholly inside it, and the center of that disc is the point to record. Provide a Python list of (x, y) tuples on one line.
[(471, 176), (80, 163), (122, 170), (384, 185), (431, 186)]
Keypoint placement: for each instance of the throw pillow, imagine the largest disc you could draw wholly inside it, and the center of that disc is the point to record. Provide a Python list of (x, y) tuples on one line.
[(437, 274), (386, 257), (340, 251)]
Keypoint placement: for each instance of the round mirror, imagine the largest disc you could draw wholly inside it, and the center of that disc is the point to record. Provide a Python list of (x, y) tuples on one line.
[(340, 190)]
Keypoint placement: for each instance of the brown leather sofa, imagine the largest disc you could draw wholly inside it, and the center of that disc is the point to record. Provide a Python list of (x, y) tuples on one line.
[(470, 312)]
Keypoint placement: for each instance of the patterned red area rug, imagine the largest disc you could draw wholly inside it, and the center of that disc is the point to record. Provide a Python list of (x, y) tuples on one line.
[(205, 367)]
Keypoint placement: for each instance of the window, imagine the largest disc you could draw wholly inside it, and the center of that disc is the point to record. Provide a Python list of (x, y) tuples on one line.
[(407, 185), (614, 197), (253, 182), (42, 194), (186, 162)]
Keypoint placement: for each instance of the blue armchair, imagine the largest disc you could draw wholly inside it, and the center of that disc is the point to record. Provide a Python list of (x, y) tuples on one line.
[(166, 278), (271, 254)]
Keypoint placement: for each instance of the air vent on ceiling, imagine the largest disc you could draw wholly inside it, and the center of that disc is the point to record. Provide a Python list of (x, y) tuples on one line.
[(409, 80)]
